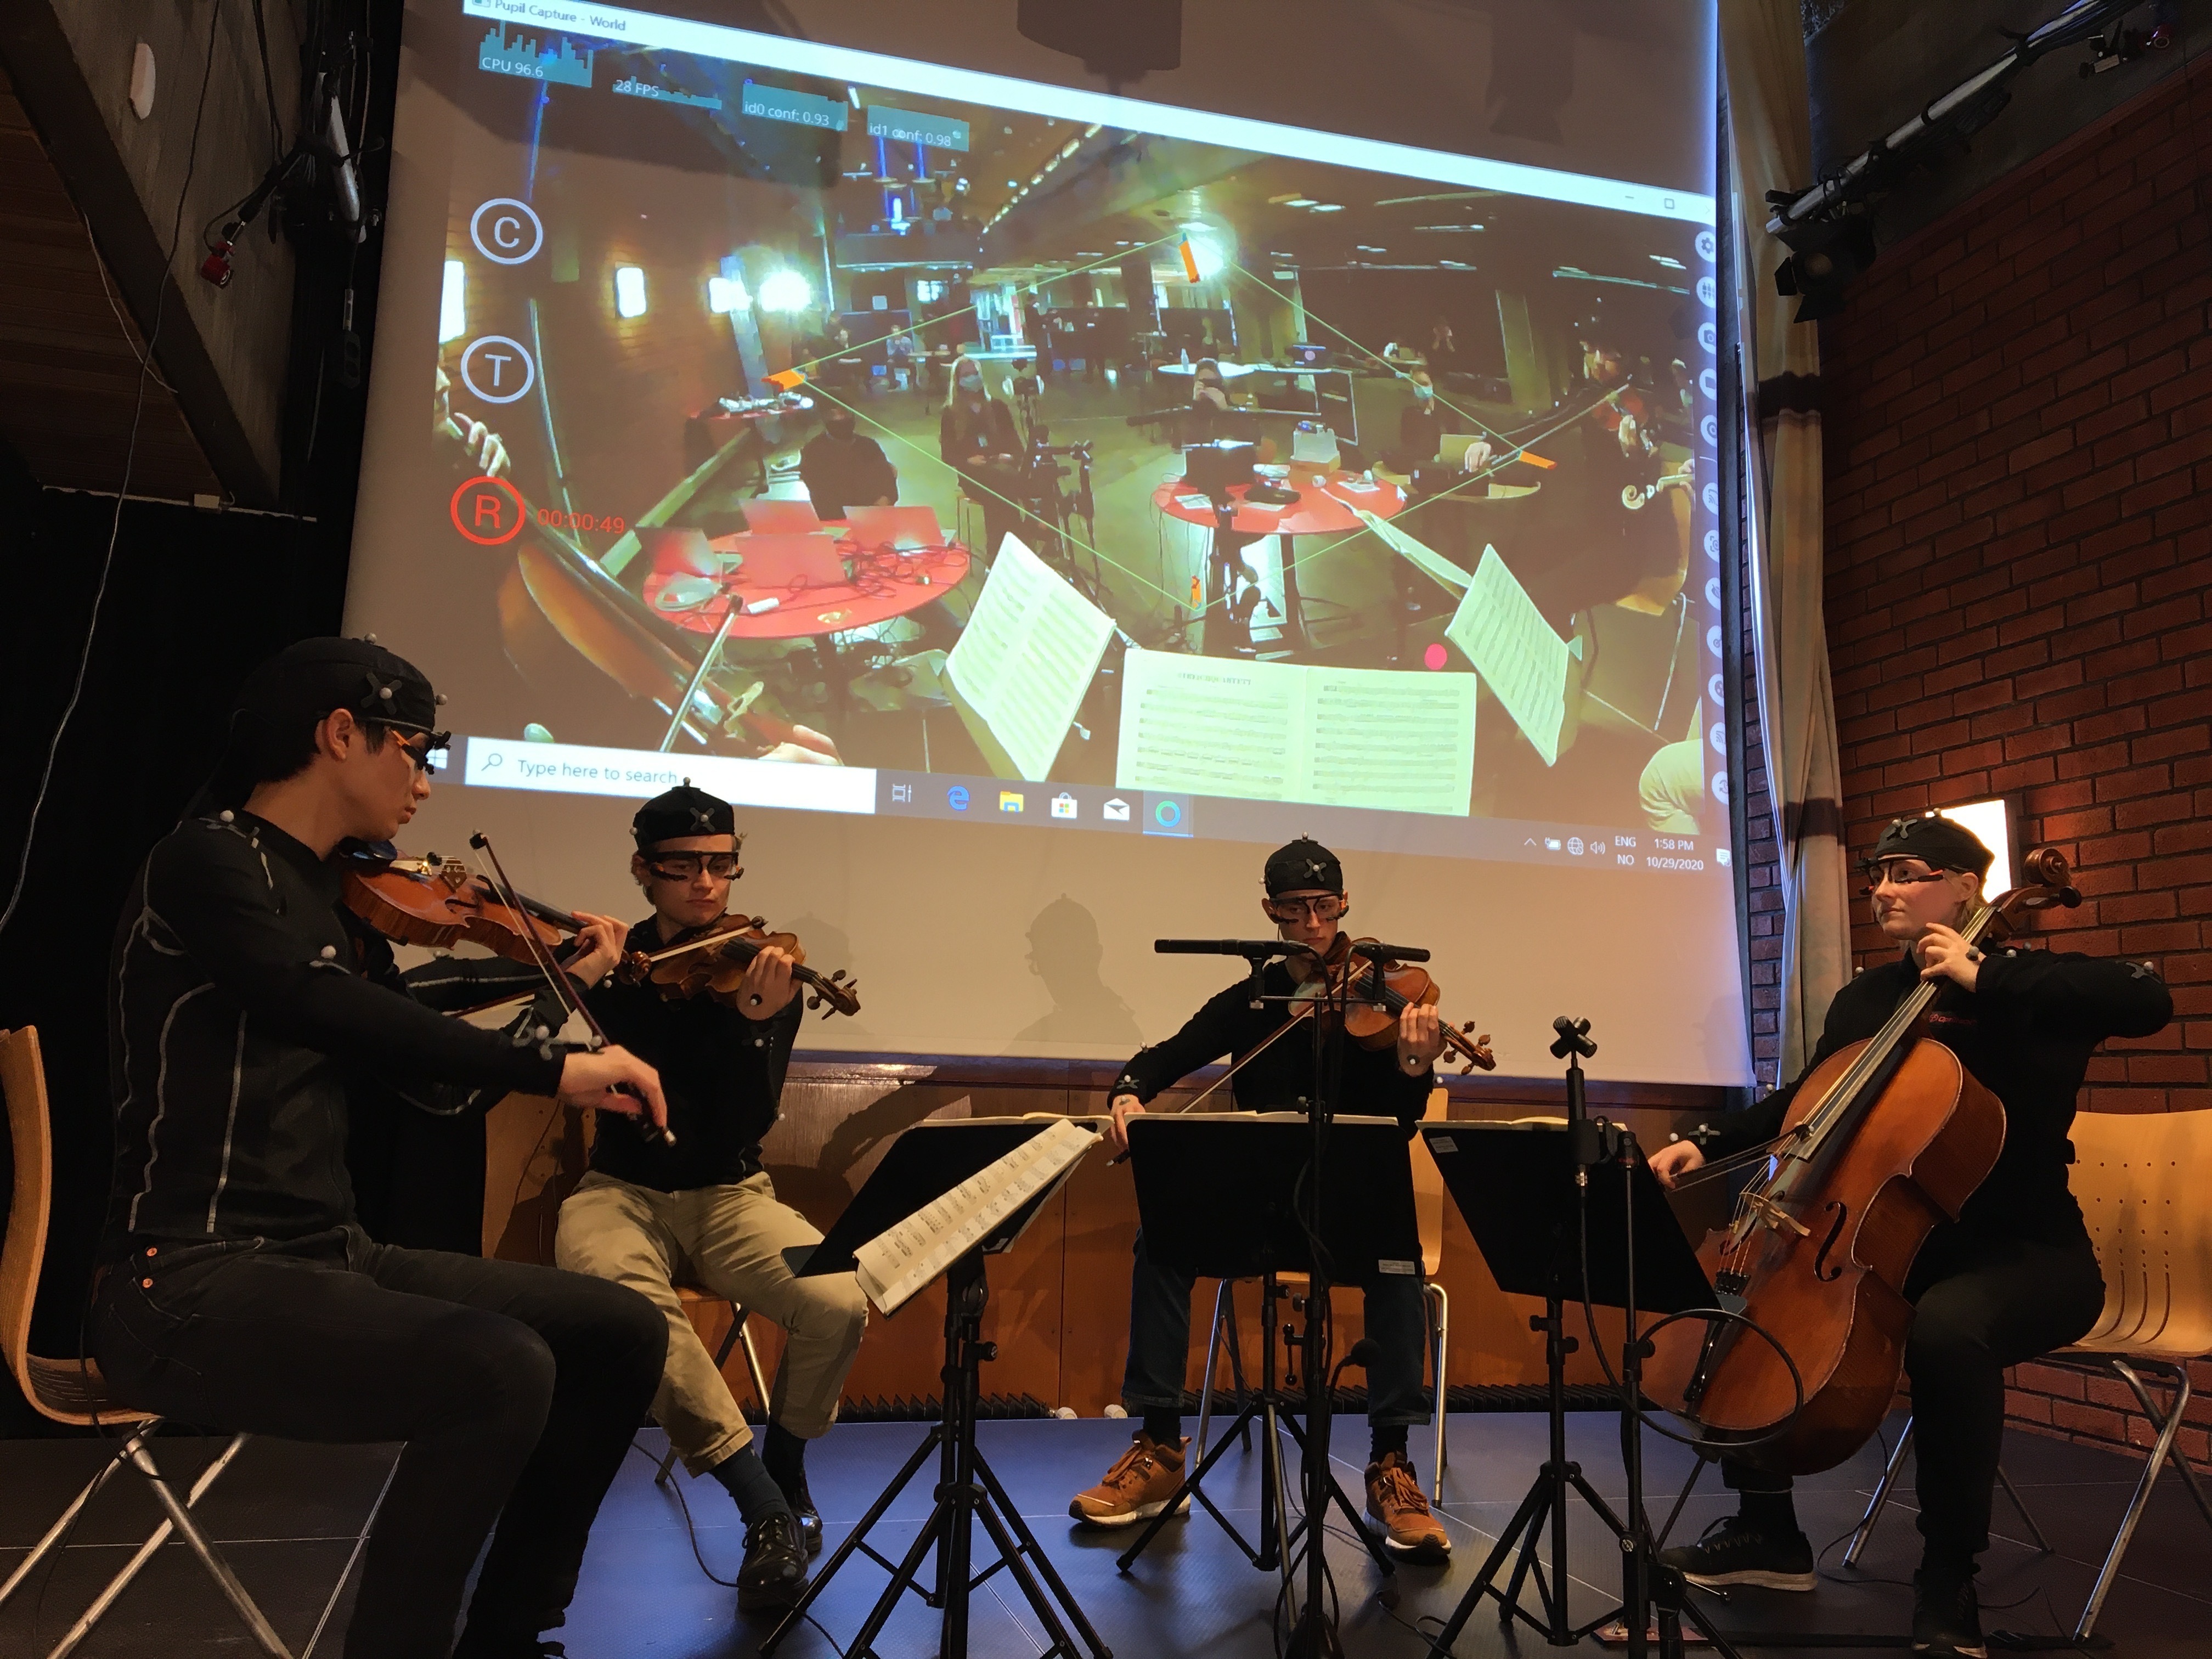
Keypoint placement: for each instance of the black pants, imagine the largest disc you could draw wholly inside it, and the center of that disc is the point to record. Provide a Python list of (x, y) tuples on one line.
[(1159, 1343), (516, 1388), (1981, 1301)]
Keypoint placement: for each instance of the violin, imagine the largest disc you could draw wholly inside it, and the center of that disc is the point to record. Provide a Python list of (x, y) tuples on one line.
[(1884, 1139), (714, 964), (439, 902), (1376, 993)]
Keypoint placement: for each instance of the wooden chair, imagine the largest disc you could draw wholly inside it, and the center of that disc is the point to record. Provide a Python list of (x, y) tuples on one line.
[(70, 1391), (2139, 1178), (693, 1296), (1429, 1213)]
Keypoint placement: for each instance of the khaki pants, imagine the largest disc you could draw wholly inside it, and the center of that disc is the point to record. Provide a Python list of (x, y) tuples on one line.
[(730, 1241)]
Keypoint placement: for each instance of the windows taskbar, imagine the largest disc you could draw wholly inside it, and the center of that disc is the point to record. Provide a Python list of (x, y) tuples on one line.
[(576, 769)]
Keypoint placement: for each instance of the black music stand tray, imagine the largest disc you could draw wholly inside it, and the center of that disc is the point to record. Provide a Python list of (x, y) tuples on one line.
[(924, 1163), (1514, 1185), (1249, 1228)]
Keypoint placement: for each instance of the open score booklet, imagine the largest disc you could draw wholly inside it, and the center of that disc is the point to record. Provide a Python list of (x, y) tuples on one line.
[(896, 1264)]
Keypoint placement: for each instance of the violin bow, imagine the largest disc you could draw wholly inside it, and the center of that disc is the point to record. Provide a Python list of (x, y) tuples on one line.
[(574, 1005)]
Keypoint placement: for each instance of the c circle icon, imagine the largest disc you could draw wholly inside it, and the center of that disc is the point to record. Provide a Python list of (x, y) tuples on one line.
[(497, 369), (506, 231), (485, 502), (1167, 814)]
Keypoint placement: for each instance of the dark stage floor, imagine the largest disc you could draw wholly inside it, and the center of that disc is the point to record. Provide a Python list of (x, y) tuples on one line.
[(289, 1518)]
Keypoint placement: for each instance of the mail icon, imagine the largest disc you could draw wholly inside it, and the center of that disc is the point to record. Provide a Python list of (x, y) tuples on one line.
[(1116, 811)]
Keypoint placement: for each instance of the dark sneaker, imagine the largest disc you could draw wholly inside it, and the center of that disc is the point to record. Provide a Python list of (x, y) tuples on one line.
[(1136, 1488), (1399, 1514), (1947, 1617), (802, 1505), (1733, 1551), (774, 1576)]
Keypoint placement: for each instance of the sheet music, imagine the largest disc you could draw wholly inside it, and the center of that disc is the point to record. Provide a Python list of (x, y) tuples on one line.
[(1025, 658), (1501, 631), (1420, 554), (896, 1263), (1262, 731)]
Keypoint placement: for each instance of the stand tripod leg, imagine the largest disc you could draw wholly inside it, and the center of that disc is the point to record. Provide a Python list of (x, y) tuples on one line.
[(903, 1578), (1018, 1548), (1337, 1496), (858, 1540), (1529, 1517), (1193, 1486)]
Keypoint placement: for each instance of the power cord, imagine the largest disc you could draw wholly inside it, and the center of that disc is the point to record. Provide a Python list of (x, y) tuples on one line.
[(130, 463)]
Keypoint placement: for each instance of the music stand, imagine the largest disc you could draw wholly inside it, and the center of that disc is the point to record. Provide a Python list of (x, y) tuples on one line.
[(925, 1163), (1515, 1184), (1252, 1228)]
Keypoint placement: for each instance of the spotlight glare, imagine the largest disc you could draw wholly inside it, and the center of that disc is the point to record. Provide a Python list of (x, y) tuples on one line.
[(786, 291)]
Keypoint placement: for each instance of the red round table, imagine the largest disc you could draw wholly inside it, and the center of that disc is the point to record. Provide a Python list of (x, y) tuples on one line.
[(1323, 508), (818, 584)]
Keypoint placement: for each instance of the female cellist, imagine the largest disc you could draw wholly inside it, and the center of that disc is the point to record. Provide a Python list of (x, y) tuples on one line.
[(2014, 1275)]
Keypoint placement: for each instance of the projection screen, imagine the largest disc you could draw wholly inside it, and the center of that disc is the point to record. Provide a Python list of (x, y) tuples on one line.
[(1032, 506)]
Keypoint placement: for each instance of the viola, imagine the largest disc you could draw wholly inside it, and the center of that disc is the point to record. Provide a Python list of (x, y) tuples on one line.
[(1884, 1140), (714, 964), (439, 902)]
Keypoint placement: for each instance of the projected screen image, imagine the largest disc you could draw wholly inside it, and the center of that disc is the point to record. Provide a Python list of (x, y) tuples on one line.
[(864, 439)]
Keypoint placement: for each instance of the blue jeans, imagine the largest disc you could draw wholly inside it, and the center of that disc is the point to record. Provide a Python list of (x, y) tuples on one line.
[(1159, 1344)]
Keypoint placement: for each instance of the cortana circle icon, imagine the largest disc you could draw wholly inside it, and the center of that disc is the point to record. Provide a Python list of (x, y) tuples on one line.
[(1167, 814), (956, 798)]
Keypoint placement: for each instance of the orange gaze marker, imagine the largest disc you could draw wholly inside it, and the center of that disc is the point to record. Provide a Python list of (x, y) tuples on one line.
[(1189, 259), (789, 380)]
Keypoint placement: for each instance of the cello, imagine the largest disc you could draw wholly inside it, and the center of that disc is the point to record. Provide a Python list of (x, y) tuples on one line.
[(1885, 1140)]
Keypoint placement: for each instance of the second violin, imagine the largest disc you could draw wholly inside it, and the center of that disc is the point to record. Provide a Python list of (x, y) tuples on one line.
[(714, 964)]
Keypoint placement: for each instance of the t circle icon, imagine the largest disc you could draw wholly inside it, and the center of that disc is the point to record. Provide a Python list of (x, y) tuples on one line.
[(506, 231), (497, 369)]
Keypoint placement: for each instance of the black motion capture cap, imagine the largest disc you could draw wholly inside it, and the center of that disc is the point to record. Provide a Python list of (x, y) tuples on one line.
[(1302, 866), (305, 681), (1940, 843), (681, 811)]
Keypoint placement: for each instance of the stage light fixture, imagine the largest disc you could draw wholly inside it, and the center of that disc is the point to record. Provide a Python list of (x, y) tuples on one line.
[(452, 307), (725, 295), (629, 291), (786, 291), (1825, 257)]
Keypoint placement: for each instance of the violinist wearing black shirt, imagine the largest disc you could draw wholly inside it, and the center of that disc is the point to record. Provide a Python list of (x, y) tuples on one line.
[(703, 1212), (2014, 1276), (1305, 900), (237, 1290)]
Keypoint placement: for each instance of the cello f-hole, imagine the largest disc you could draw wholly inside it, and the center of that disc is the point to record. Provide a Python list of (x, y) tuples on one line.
[(1821, 1271)]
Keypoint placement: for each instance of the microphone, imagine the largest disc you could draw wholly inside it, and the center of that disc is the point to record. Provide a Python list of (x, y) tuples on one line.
[(1374, 952), (1260, 948)]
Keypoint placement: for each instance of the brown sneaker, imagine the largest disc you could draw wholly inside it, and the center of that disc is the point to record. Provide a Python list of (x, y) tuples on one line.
[(1397, 1510), (1136, 1488)]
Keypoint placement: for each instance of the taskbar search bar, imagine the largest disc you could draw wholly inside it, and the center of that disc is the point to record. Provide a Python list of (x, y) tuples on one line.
[(572, 768)]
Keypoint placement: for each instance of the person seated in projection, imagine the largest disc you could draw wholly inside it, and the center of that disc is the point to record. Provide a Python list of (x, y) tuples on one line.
[(976, 437), (843, 467), (237, 1290), (704, 1212), (1305, 900)]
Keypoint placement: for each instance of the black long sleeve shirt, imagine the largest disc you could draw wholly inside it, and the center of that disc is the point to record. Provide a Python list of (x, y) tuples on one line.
[(2025, 1032), (722, 1075), (246, 1000), (1371, 1081), (840, 473)]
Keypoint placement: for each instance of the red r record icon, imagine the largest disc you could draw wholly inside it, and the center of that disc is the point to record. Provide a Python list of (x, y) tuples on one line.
[(488, 502)]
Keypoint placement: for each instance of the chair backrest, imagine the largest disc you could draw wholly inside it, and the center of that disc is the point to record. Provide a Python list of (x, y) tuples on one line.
[(2139, 1177), (23, 1078), (1428, 1188)]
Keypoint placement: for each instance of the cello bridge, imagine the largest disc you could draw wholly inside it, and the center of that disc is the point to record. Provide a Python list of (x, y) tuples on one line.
[(1771, 1213)]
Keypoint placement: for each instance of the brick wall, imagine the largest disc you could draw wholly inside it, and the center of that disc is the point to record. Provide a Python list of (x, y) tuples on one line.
[(2019, 433)]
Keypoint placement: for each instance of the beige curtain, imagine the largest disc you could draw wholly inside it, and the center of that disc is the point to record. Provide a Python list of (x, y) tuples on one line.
[(1763, 58)]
